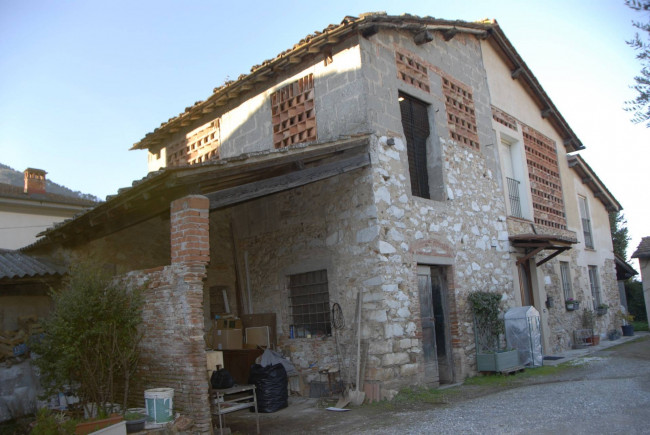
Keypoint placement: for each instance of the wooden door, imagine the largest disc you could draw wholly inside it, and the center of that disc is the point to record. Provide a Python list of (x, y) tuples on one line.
[(436, 337)]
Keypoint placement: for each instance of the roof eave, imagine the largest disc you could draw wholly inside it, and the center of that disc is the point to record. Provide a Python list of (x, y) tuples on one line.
[(595, 184), (521, 71), (313, 45)]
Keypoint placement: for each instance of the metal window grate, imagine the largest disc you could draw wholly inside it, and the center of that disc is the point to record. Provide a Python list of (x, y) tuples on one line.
[(309, 304), (513, 195), (586, 227), (415, 122), (595, 285), (586, 222)]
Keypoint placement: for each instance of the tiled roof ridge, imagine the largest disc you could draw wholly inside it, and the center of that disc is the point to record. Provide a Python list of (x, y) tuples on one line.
[(11, 191), (643, 250)]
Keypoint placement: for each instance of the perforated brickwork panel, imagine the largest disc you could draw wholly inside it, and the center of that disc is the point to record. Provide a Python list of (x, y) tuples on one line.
[(412, 71), (544, 174), (461, 117), (292, 109), (504, 119), (200, 145)]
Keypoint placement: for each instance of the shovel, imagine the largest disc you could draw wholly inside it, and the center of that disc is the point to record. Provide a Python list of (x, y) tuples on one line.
[(357, 397)]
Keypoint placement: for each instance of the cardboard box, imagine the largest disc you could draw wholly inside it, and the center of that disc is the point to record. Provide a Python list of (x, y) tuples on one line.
[(262, 319), (227, 339), (227, 324), (258, 336)]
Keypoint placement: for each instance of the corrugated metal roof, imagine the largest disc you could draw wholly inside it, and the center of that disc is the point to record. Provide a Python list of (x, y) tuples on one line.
[(14, 264)]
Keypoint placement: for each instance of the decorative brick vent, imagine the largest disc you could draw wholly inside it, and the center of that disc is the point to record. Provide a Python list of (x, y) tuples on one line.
[(199, 145), (504, 119), (411, 71), (292, 108), (544, 174), (460, 112)]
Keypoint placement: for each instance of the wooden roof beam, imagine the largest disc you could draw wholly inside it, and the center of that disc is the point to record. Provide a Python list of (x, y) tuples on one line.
[(449, 34)]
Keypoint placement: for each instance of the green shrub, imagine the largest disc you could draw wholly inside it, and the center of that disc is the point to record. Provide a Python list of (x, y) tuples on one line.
[(486, 308), (49, 423), (91, 339)]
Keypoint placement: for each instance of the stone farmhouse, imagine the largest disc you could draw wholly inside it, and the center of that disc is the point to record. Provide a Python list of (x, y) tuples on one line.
[(409, 160)]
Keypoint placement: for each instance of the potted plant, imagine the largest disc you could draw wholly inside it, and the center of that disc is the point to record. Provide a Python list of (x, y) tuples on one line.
[(135, 420), (627, 327), (588, 323), (601, 309), (614, 334), (491, 356), (571, 304)]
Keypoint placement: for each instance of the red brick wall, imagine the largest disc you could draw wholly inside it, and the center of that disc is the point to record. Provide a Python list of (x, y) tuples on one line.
[(173, 349)]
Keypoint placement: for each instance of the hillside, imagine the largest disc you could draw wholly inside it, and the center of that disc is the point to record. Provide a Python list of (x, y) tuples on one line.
[(9, 175)]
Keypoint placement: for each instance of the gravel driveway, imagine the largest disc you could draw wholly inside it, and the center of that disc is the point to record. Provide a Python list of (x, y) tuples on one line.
[(606, 392)]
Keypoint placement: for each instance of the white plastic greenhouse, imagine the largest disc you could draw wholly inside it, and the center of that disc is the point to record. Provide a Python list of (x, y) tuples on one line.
[(523, 333)]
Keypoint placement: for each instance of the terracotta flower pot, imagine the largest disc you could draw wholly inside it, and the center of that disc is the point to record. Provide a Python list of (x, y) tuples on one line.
[(90, 426)]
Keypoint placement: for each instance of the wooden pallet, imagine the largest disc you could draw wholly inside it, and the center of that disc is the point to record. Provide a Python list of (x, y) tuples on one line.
[(511, 370)]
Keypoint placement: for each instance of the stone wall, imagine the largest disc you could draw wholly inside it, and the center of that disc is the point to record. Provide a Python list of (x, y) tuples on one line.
[(329, 224), (465, 229)]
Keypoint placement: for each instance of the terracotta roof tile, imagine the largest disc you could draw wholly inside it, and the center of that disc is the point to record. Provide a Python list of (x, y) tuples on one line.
[(643, 250)]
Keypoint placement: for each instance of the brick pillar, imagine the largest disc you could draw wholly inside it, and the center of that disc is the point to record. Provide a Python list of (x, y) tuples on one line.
[(190, 236), (184, 347)]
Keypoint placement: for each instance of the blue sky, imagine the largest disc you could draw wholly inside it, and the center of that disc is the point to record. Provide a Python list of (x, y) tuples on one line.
[(81, 81)]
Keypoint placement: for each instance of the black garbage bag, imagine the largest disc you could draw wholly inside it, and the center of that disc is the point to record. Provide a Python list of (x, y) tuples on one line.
[(271, 387), (221, 379)]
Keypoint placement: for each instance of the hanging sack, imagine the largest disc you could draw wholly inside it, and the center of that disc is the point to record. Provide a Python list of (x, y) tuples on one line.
[(221, 379)]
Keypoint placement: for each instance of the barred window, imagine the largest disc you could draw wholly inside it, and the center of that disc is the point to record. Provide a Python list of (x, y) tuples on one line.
[(594, 282), (309, 304)]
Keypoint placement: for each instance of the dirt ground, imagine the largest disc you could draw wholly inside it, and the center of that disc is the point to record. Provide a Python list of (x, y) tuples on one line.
[(310, 416)]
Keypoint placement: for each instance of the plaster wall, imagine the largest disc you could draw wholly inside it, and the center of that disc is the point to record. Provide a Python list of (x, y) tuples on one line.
[(20, 225), (510, 96), (644, 265)]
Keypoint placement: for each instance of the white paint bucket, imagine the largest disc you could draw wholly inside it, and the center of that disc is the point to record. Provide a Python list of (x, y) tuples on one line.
[(160, 404)]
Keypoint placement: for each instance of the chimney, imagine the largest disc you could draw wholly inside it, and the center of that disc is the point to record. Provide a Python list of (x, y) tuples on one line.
[(34, 181)]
